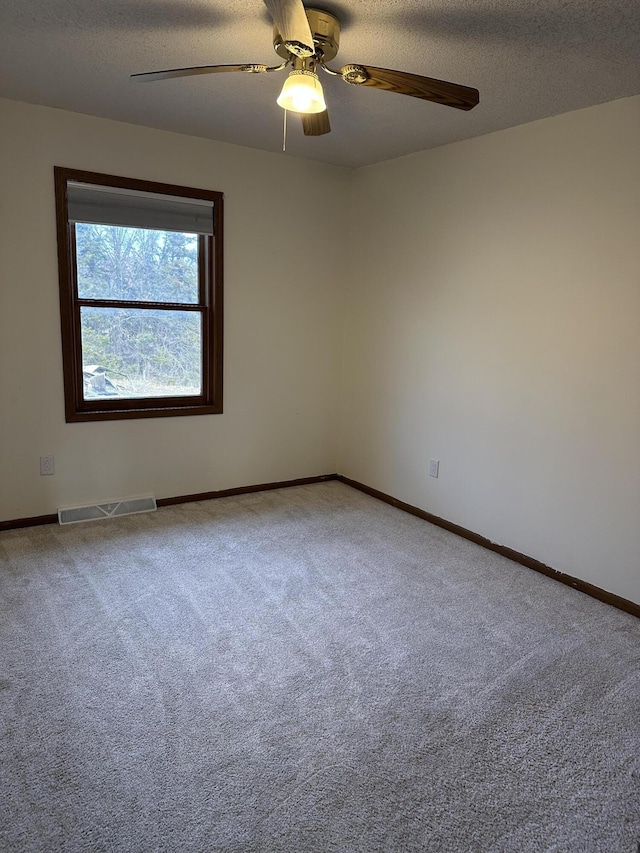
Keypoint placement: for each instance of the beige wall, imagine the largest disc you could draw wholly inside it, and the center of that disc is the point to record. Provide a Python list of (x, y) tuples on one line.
[(281, 329), (493, 323)]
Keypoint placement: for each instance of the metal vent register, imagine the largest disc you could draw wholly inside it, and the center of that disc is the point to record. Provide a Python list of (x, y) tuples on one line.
[(94, 512)]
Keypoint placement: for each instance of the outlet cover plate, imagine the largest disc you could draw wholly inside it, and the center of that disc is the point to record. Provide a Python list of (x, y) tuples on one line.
[(47, 466)]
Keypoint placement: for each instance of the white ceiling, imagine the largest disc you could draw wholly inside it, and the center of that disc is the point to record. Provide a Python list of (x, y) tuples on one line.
[(529, 59)]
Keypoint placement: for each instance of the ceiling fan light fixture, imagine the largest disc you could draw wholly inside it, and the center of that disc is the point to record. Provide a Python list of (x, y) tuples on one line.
[(302, 93)]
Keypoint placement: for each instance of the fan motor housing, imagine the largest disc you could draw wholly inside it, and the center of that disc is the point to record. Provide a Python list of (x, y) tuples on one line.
[(325, 29)]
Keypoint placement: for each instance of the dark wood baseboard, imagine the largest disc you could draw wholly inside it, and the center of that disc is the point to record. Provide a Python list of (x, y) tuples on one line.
[(516, 556), (243, 490), (35, 520)]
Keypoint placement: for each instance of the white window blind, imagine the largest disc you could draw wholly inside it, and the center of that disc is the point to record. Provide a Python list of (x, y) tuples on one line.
[(103, 205)]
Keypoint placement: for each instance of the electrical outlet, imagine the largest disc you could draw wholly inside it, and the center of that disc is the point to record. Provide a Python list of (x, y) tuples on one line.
[(434, 467), (47, 466)]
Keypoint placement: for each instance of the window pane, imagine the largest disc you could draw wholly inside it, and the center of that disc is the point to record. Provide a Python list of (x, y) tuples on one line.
[(138, 264), (137, 352)]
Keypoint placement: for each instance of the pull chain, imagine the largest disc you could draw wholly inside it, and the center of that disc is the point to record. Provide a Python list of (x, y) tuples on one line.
[(284, 131)]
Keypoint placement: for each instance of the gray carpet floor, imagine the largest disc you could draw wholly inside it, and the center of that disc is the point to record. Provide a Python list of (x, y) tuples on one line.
[(307, 669)]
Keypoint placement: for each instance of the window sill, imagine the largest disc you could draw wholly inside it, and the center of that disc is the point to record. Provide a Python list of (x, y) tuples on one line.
[(112, 414)]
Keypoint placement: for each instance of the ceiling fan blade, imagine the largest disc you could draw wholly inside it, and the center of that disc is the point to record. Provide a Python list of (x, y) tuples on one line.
[(427, 88), (315, 124), (291, 21), (198, 69)]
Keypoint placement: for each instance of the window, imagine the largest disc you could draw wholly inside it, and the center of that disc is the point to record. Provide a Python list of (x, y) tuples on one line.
[(140, 268)]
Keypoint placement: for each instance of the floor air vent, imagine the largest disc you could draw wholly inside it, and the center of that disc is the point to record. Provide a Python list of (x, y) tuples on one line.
[(94, 512)]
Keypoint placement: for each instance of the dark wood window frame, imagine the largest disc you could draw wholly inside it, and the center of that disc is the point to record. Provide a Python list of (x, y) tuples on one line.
[(209, 305)]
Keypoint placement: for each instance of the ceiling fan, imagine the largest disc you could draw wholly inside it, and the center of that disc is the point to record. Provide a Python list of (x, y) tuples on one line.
[(306, 39)]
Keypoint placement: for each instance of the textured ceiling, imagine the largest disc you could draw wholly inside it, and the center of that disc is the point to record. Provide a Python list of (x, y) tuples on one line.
[(529, 59)]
